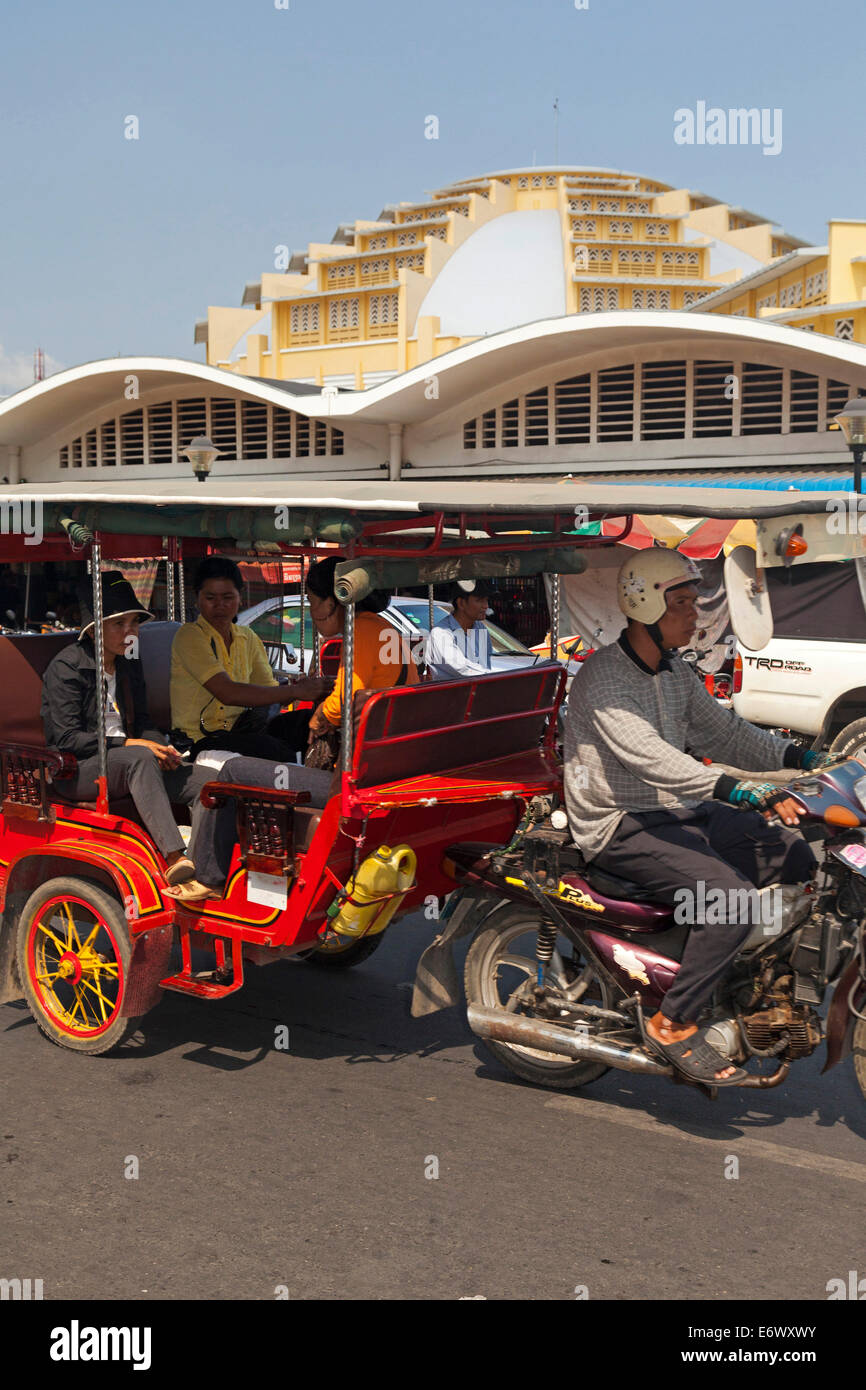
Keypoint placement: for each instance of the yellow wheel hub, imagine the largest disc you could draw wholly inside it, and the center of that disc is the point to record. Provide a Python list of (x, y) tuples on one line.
[(80, 986)]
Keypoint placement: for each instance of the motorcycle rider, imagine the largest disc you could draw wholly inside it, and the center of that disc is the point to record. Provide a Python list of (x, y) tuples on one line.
[(644, 808)]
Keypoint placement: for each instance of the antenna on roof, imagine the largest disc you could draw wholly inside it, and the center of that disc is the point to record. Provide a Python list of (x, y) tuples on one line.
[(38, 364), (556, 130)]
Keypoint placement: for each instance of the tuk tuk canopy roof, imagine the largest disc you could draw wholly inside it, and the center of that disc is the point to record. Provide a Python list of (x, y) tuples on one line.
[(249, 511)]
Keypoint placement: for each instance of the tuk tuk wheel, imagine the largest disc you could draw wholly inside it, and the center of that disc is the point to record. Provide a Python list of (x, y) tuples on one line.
[(74, 953), (342, 955)]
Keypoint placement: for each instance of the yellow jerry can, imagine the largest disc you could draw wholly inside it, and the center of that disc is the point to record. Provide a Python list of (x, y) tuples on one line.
[(375, 892)]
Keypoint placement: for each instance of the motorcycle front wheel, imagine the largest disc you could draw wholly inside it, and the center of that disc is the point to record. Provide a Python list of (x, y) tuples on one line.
[(499, 964)]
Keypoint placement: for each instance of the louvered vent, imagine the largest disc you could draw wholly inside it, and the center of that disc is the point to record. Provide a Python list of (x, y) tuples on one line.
[(838, 396), (109, 443), (616, 404), (663, 400), (713, 399), (537, 428), (132, 438), (159, 448), (224, 427), (804, 402), (302, 443), (191, 421), (573, 402), (282, 434), (254, 430), (510, 419), (90, 449), (761, 399)]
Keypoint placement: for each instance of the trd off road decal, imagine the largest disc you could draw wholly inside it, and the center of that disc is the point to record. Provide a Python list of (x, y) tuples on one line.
[(775, 663)]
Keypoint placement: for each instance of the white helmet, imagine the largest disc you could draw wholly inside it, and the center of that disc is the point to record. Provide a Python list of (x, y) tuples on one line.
[(644, 579)]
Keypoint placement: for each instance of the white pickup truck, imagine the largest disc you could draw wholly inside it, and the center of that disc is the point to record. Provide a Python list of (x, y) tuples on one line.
[(810, 678)]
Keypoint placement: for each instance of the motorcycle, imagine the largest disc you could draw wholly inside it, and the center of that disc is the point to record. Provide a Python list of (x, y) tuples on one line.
[(567, 961)]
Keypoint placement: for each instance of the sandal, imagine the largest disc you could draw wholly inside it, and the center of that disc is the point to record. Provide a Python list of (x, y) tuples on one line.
[(697, 1060), (181, 871), (191, 892)]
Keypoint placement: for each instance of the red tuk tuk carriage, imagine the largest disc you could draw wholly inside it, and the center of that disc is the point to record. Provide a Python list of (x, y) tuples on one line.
[(87, 929)]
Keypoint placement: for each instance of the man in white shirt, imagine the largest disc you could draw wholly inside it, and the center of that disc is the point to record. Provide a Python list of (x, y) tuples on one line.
[(460, 644)]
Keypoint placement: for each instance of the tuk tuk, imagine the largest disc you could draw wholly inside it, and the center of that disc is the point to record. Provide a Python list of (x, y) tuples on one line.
[(87, 928)]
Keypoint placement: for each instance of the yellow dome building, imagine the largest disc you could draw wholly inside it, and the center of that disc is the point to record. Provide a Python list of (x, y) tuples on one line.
[(492, 253)]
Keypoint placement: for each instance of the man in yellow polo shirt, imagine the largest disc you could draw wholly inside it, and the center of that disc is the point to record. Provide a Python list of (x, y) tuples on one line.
[(221, 679)]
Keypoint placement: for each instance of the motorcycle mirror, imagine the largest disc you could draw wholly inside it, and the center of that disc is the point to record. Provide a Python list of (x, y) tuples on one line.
[(748, 600)]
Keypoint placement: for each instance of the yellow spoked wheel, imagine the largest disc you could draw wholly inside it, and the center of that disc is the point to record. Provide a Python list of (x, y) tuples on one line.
[(74, 954)]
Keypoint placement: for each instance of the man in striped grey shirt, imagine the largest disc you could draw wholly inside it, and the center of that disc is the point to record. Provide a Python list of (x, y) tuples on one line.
[(643, 807)]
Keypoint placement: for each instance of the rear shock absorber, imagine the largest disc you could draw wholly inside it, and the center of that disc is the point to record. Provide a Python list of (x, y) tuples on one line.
[(544, 948)]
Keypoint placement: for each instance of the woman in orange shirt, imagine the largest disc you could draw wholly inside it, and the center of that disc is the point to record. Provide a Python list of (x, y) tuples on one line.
[(380, 658)]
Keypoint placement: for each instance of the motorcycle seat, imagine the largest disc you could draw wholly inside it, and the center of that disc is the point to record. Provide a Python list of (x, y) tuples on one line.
[(612, 886)]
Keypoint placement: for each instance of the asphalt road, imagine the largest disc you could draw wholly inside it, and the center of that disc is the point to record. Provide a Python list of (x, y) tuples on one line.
[(303, 1173)]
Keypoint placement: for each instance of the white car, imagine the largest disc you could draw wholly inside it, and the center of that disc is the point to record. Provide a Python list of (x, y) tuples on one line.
[(277, 621), (811, 676)]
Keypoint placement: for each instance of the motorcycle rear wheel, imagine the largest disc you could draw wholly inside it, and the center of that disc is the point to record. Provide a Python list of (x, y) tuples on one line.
[(489, 957)]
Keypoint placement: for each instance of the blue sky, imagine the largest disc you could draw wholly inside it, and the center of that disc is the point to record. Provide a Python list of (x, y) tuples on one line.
[(261, 126)]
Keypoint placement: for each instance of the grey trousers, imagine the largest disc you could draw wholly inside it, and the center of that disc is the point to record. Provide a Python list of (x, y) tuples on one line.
[(135, 772)]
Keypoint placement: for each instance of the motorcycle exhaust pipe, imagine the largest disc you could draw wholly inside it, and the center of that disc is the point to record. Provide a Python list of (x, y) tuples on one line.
[(499, 1026)]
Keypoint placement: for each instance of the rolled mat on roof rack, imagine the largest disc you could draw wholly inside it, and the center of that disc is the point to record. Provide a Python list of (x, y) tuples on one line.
[(244, 525), (354, 579)]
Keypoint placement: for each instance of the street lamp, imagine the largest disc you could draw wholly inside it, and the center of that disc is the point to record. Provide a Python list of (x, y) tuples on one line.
[(852, 422), (201, 453)]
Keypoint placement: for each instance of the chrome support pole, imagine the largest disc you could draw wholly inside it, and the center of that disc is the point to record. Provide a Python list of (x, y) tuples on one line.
[(430, 609), (316, 671), (99, 644), (348, 657), (169, 589), (181, 589), (554, 616), (301, 618)]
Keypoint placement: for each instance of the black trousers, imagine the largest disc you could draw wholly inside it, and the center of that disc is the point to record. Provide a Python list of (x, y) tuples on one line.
[(720, 847), (278, 739)]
